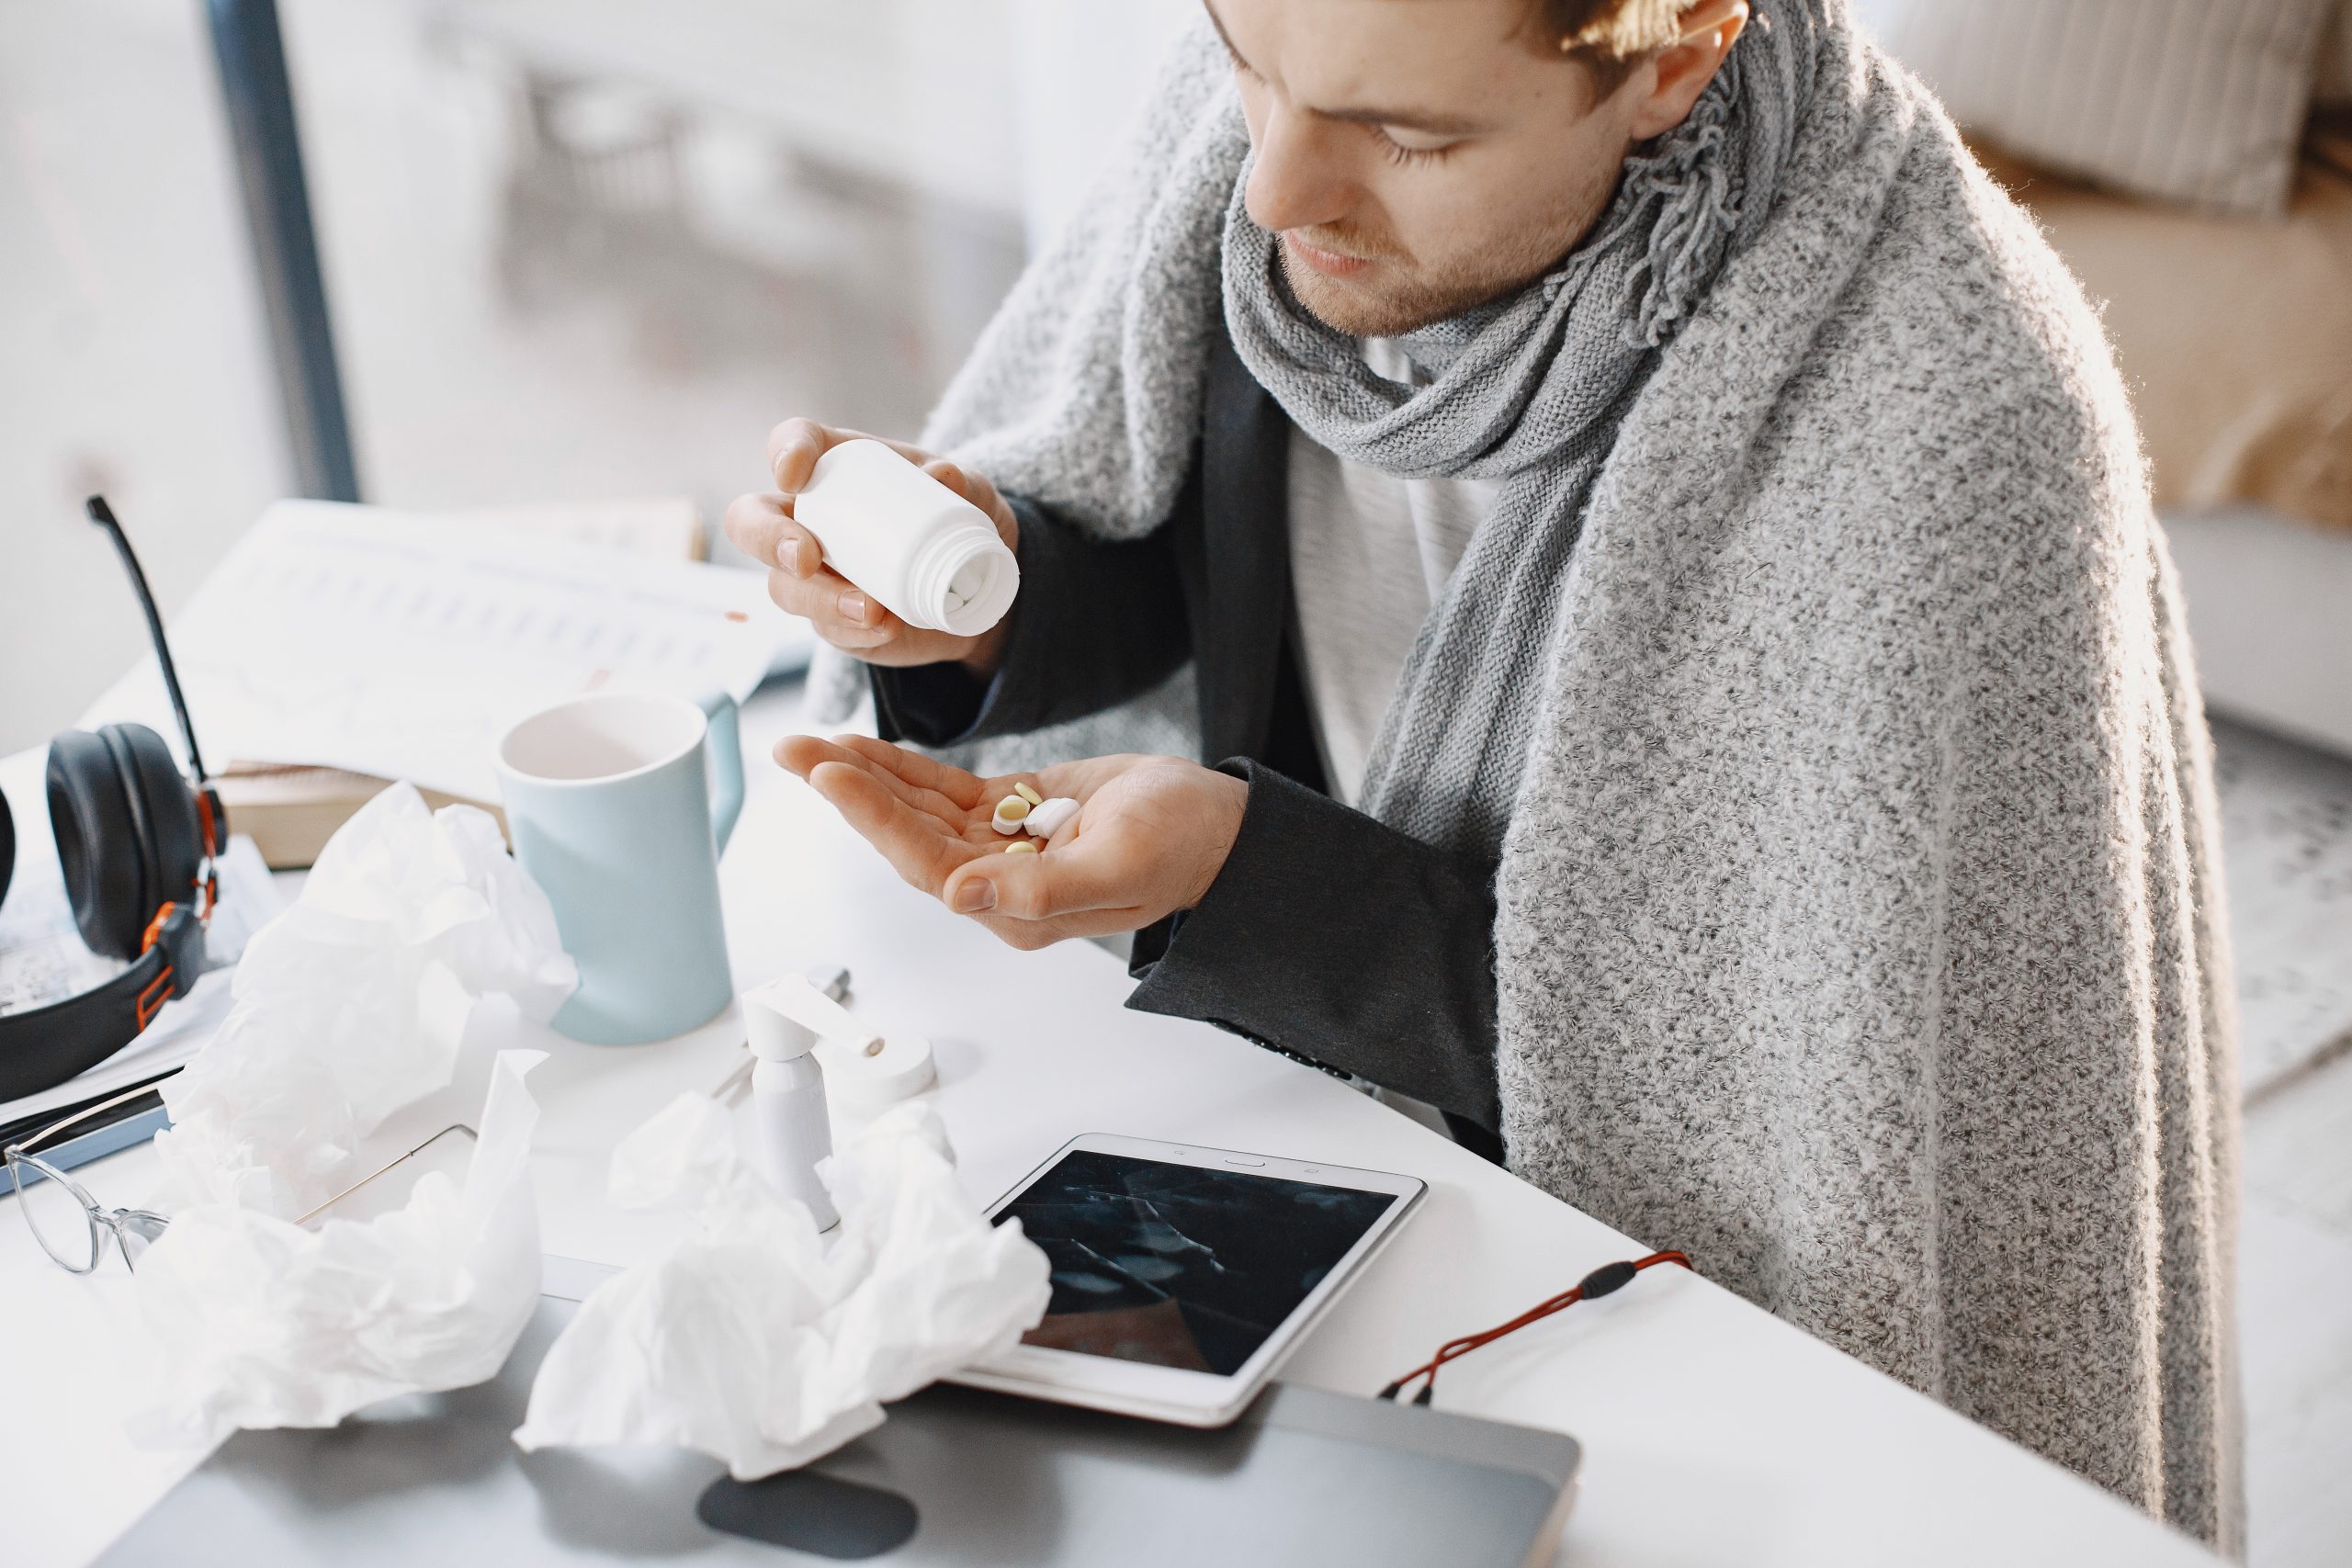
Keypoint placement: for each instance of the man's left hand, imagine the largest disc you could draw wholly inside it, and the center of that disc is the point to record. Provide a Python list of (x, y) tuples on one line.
[(1150, 835)]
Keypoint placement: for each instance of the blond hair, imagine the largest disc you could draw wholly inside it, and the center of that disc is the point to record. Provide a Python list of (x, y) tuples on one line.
[(1611, 30), (1610, 38)]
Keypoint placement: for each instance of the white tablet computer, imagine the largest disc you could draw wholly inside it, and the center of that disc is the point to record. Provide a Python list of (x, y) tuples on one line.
[(1184, 1275)]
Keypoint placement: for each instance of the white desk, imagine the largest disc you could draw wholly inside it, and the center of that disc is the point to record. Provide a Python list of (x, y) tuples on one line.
[(1714, 1433)]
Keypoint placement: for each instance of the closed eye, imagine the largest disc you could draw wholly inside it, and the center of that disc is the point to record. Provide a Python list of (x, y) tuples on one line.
[(1398, 149)]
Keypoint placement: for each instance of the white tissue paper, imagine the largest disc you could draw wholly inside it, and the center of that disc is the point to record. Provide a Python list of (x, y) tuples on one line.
[(260, 1322), (753, 1341), (353, 1002), (349, 1007)]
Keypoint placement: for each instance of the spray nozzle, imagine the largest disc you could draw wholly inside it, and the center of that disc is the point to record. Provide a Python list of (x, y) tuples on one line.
[(785, 1017)]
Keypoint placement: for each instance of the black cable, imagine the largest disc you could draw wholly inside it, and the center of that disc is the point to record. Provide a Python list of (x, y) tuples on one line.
[(102, 515)]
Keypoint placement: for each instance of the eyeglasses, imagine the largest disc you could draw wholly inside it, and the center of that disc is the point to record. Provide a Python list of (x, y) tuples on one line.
[(68, 1223), (1602, 1281), (73, 1227), (385, 1169)]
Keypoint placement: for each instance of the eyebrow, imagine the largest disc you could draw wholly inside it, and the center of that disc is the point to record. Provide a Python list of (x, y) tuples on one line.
[(1426, 120)]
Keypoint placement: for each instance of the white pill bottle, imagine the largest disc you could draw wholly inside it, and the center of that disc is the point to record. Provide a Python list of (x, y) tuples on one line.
[(931, 558)]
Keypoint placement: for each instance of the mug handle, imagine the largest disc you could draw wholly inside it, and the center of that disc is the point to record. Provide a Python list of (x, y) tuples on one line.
[(723, 758)]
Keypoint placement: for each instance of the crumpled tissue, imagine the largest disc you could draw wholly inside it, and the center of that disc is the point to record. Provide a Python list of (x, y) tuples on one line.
[(353, 1002), (260, 1322), (752, 1340), (349, 1007)]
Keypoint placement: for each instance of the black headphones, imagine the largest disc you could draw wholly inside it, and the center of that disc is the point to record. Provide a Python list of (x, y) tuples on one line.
[(137, 841)]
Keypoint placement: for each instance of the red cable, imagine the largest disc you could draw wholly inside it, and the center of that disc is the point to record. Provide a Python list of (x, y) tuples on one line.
[(1454, 1349)]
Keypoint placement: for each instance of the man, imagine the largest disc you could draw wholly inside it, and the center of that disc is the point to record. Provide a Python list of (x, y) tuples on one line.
[(1689, 679)]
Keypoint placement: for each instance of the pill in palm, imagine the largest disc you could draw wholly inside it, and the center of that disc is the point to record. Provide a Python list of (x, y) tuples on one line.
[(1046, 818), (1010, 813), (1021, 847), (1028, 792)]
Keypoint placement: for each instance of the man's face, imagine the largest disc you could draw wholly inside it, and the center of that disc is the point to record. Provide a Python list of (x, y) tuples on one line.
[(1417, 157)]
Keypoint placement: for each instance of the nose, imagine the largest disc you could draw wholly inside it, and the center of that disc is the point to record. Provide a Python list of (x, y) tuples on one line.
[(1296, 182)]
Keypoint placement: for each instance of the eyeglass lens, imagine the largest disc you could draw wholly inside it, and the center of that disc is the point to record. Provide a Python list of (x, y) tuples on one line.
[(57, 1212)]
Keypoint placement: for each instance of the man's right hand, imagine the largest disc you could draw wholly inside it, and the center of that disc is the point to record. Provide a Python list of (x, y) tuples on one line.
[(844, 614)]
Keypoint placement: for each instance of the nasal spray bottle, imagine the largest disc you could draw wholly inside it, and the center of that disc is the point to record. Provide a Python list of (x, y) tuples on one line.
[(792, 1127), (791, 1024)]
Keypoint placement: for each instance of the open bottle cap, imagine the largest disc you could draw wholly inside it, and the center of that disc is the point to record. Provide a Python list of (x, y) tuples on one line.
[(873, 1075)]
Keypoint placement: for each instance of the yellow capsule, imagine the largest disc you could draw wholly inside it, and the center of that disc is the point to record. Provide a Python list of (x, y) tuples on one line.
[(1031, 795), (1021, 847)]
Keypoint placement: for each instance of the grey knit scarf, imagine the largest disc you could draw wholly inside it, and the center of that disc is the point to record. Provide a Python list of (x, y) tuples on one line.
[(1527, 390)]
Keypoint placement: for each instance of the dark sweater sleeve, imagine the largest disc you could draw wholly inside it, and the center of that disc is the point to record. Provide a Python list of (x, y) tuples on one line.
[(1335, 939), (1096, 623)]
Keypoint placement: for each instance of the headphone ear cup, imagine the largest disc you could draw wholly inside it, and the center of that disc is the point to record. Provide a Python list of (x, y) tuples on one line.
[(164, 806), (97, 845)]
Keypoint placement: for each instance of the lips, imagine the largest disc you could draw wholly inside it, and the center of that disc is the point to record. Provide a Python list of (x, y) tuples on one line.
[(1332, 264)]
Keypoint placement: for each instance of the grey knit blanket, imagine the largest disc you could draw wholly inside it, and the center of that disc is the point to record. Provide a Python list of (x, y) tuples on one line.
[(1859, 921)]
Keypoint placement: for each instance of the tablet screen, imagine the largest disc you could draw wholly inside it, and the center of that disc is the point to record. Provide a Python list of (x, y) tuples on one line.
[(1179, 1266)]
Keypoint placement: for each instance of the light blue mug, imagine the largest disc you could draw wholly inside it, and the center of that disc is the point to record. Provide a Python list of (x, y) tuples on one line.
[(614, 811)]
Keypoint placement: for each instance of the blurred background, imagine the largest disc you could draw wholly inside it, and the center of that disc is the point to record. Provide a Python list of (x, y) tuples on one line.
[(582, 250), (572, 250)]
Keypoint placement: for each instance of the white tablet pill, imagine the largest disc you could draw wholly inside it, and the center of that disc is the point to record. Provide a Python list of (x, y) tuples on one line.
[(1046, 818)]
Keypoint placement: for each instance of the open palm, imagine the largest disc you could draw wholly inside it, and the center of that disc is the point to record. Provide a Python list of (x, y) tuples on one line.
[(1149, 837)]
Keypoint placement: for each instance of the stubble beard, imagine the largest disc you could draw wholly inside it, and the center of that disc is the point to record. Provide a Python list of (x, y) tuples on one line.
[(1400, 295), (1405, 300), (1406, 305)]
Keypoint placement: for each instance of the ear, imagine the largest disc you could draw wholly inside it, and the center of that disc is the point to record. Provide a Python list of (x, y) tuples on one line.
[(1680, 72)]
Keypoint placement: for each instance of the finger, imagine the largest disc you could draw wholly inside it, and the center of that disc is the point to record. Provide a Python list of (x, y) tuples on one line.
[(857, 608), (966, 789), (918, 847), (1092, 872), (826, 595), (835, 604), (754, 523), (802, 754), (796, 549), (952, 475), (795, 445), (977, 489), (761, 527)]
